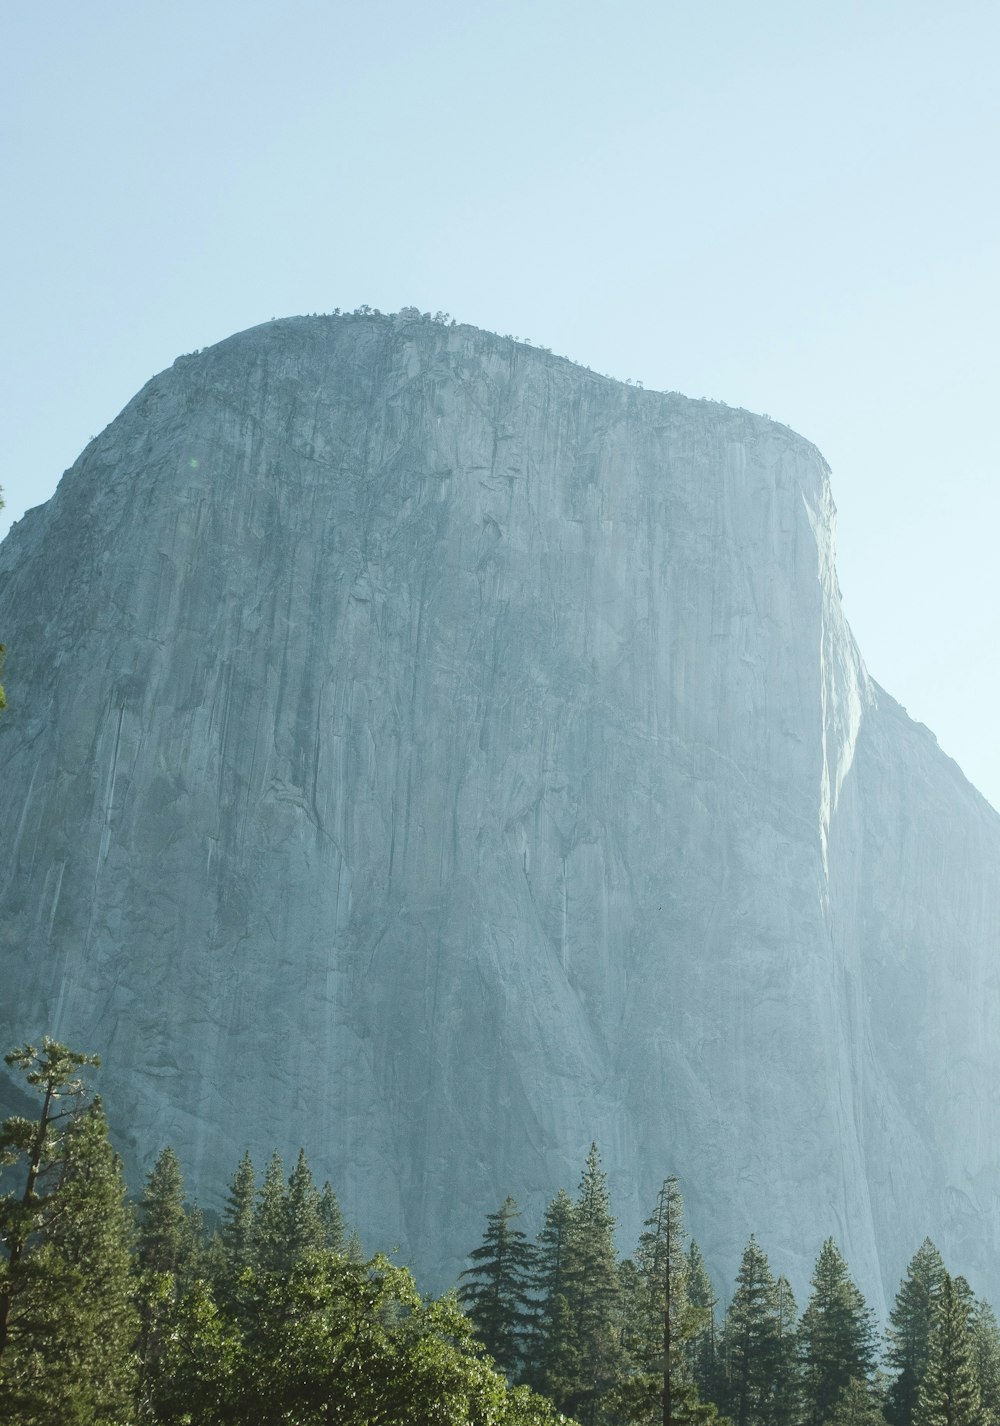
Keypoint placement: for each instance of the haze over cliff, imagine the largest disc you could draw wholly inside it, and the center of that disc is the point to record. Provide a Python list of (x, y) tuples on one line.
[(431, 752)]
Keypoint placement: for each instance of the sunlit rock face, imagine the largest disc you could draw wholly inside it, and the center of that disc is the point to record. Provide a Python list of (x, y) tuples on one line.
[(430, 752)]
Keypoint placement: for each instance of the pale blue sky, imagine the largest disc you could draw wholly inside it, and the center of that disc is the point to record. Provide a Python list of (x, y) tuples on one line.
[(792, 207)]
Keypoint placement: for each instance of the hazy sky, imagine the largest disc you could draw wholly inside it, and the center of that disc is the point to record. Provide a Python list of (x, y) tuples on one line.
[(793, 207)]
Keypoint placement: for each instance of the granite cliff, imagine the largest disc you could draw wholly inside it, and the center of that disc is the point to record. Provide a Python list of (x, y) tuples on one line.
[(433, 753)]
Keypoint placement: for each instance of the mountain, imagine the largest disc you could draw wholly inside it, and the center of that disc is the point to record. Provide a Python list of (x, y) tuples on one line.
[(428, 751)]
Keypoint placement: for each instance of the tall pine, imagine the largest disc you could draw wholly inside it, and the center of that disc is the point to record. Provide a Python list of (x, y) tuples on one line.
[(166, 1238), (497, 1293), (787, 1384), (908, 1335), (986, 1355), (551, 1350), (237, 1218), (701, 1347), (35, 1152), (592, 1290), (837, 1337), (270, 1220), (949, 1392), (72, 1358), (751, 1342), (304, 1230)]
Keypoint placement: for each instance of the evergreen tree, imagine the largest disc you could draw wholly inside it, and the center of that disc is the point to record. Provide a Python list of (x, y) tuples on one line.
[(659, 1386), (858, 1406), (551, 1350), (165, 1237), (985, 1336), (238, 1216), (948, 1394), (270, 1220), (701, 1346), (908, 1336), (71, 1356), (37, 1152), (497, 1295), (787, 1388), (304, 1232), (662, 1263), (592, 1292), (751, 1342), (836, 1337), (331, 1220)]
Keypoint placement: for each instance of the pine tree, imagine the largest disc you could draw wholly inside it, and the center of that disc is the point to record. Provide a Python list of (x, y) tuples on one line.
[(787, 1385), (270, 1220), (238, 1216), (592, 1292), (949, 1393), (304, 1232), (751, 1343), (497, 1295), (551, 1351), (165, 1238), (858, 1406), (985, 1336), (701, 1346), (908, 1336), (662, 1262), (836, 1337), (658, 1380), (71, 1357), (331, 1220), (37, 1151)]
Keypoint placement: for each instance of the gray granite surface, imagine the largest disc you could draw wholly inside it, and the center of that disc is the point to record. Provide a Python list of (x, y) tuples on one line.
[(430, 752)]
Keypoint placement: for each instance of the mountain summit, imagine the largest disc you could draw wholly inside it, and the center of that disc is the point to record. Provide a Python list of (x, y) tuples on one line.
[(428, 751)]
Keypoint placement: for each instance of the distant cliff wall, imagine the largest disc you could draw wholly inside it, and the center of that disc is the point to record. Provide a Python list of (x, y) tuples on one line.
[(432, 753)]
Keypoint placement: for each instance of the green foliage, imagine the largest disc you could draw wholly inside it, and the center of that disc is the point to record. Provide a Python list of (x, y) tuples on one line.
[(270, 1221), (304, 1230), (858, 1405), (700, 1348), (165, 1236), (591, 1279), (551, 1345), (277, 1322), (836, 1336), (985, 1335), (332, 1342), (38, 1152), (331, 1220), (72, 1326), (908, 1336), (949, 1392), (751, 1343), (658, 1383), (497, 1295), (787, 1385)]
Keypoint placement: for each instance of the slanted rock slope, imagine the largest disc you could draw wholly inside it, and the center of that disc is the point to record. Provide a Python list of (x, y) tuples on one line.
[(430, 752)]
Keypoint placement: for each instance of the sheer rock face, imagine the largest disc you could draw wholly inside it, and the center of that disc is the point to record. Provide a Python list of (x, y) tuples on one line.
[(432, 753)]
